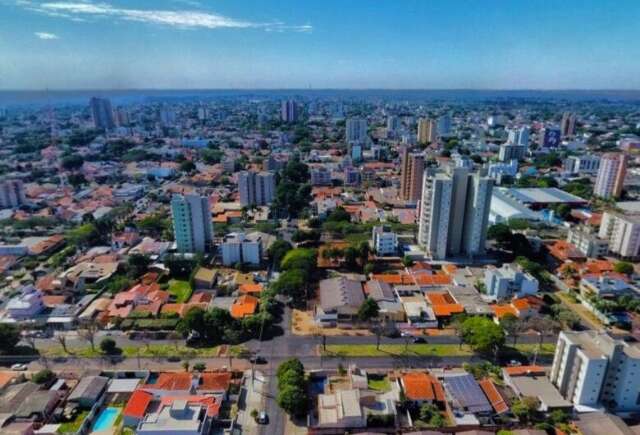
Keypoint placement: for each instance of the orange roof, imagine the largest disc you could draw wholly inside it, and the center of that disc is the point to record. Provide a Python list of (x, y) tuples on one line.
[(398, 279), (524, 370), (417, 386), (446, 310), (251, 288), (6, 378), (435, 279), (502, 310), (171, 381), (137, 404), (215, 381), (201, 297), (245, 305), (597, 266), (563, 250), (497, 401), (440, 298), (521, 304), (449, 269)]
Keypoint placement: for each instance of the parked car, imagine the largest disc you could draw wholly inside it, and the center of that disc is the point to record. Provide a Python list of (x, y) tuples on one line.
[(257, 360), (419, 340), (19, 367), (263, 418)]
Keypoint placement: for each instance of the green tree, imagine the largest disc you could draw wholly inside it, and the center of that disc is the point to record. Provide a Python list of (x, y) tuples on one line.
[(368, 310), (108, 346), (407, 261), (623, 267), (138, 264), (501, 233), (187, 166), (72, 162), (278, 250), (9, 338), (293, 400), (304, 259), (525, 408), (291, 283), (483, 335), (43, 377)]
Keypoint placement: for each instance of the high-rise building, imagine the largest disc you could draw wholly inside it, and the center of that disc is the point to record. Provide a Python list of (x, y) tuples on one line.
[(11, 194), (444, 125), (427, 131), (289, 112), (192, 223), (454, 213), (122, 117), (549, 138), (584, 164), (256, 188), (167, 117), (101, 113), (519, 136), (568, 124), (510, 152), (320, 176), (622, 231), (411, 173), (610, 179), (356, 130), (592, 368), (393, 124)]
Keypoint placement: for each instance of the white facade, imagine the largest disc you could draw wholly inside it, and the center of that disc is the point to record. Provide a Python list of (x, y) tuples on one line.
[(256, 188), (591, 368), (519, 136), (27, 304), (237, 248), (587, 242), (385, 242), (11, 194), (454, 213), (356, 130), (584, 164), (622, 231), (509, 281), (610, 179)]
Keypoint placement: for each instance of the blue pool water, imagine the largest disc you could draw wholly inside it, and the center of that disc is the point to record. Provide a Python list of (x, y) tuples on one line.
[(318, 384), (106, 419)]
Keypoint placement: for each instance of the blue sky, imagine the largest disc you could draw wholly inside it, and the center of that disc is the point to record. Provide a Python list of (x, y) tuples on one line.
[(470, 44)]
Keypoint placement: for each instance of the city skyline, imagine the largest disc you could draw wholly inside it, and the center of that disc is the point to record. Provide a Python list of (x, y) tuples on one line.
[(182, 44)]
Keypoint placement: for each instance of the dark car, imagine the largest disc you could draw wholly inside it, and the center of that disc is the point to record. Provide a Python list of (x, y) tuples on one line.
[(419, 340), (258, 360)]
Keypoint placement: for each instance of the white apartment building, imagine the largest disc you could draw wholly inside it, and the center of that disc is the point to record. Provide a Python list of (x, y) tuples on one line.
[(454, 213), (585, 164), (611, 174), (356, 130), (11, 194), (622, 231), (587, 241), (519, 136), (256, 188), (509, 281), (238, 248), (591, 369), (510, 152), (384, 241)]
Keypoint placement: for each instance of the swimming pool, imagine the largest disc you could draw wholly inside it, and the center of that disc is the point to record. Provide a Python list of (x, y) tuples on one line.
[(106, 419)]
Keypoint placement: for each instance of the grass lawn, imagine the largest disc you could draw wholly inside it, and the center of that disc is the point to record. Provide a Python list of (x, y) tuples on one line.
[(180, 289), (440, 350), (397, 349), (73, 426), (379, 384), (151, 351)]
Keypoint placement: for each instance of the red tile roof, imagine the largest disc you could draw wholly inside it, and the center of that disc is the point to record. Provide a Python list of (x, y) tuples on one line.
[(215, 381), (137, 404), (420, 386), (171, 382), (497, 401)]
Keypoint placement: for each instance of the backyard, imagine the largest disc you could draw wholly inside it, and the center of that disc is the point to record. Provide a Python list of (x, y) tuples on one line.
[(180, 289)]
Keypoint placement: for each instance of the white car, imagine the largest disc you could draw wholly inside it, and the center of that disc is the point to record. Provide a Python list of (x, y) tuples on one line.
[(19, 367)]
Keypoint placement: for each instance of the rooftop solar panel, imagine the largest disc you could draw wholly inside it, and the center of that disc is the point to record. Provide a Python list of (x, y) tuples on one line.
[(466, 391)]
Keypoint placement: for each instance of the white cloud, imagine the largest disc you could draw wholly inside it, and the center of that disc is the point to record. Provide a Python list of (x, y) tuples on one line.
[(46, 35), (185, 19)]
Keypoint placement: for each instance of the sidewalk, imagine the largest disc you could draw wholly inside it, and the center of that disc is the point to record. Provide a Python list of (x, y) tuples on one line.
[(254, 399)]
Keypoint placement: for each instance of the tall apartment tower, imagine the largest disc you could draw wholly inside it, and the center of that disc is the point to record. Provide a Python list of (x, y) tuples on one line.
[(289, 112), (256, 188), (356, 130), (444, 125), (454, 213), (192, 223), (11, 194), (101, 113), (592, 368), (427, 131), (411, 173), (568, 124), (519, 136), (610, 179)]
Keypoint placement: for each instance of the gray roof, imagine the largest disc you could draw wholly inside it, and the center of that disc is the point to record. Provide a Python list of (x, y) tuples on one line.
[(597, 423), (543, 195), (89, 388), (36, 403), (466, 391), (540, 387), (379, 290), (14, 395), (340, 294)]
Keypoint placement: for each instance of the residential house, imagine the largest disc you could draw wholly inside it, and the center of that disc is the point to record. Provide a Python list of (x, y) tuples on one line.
[(88, 391), (421, 387), (340, 410), (340, 299)]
